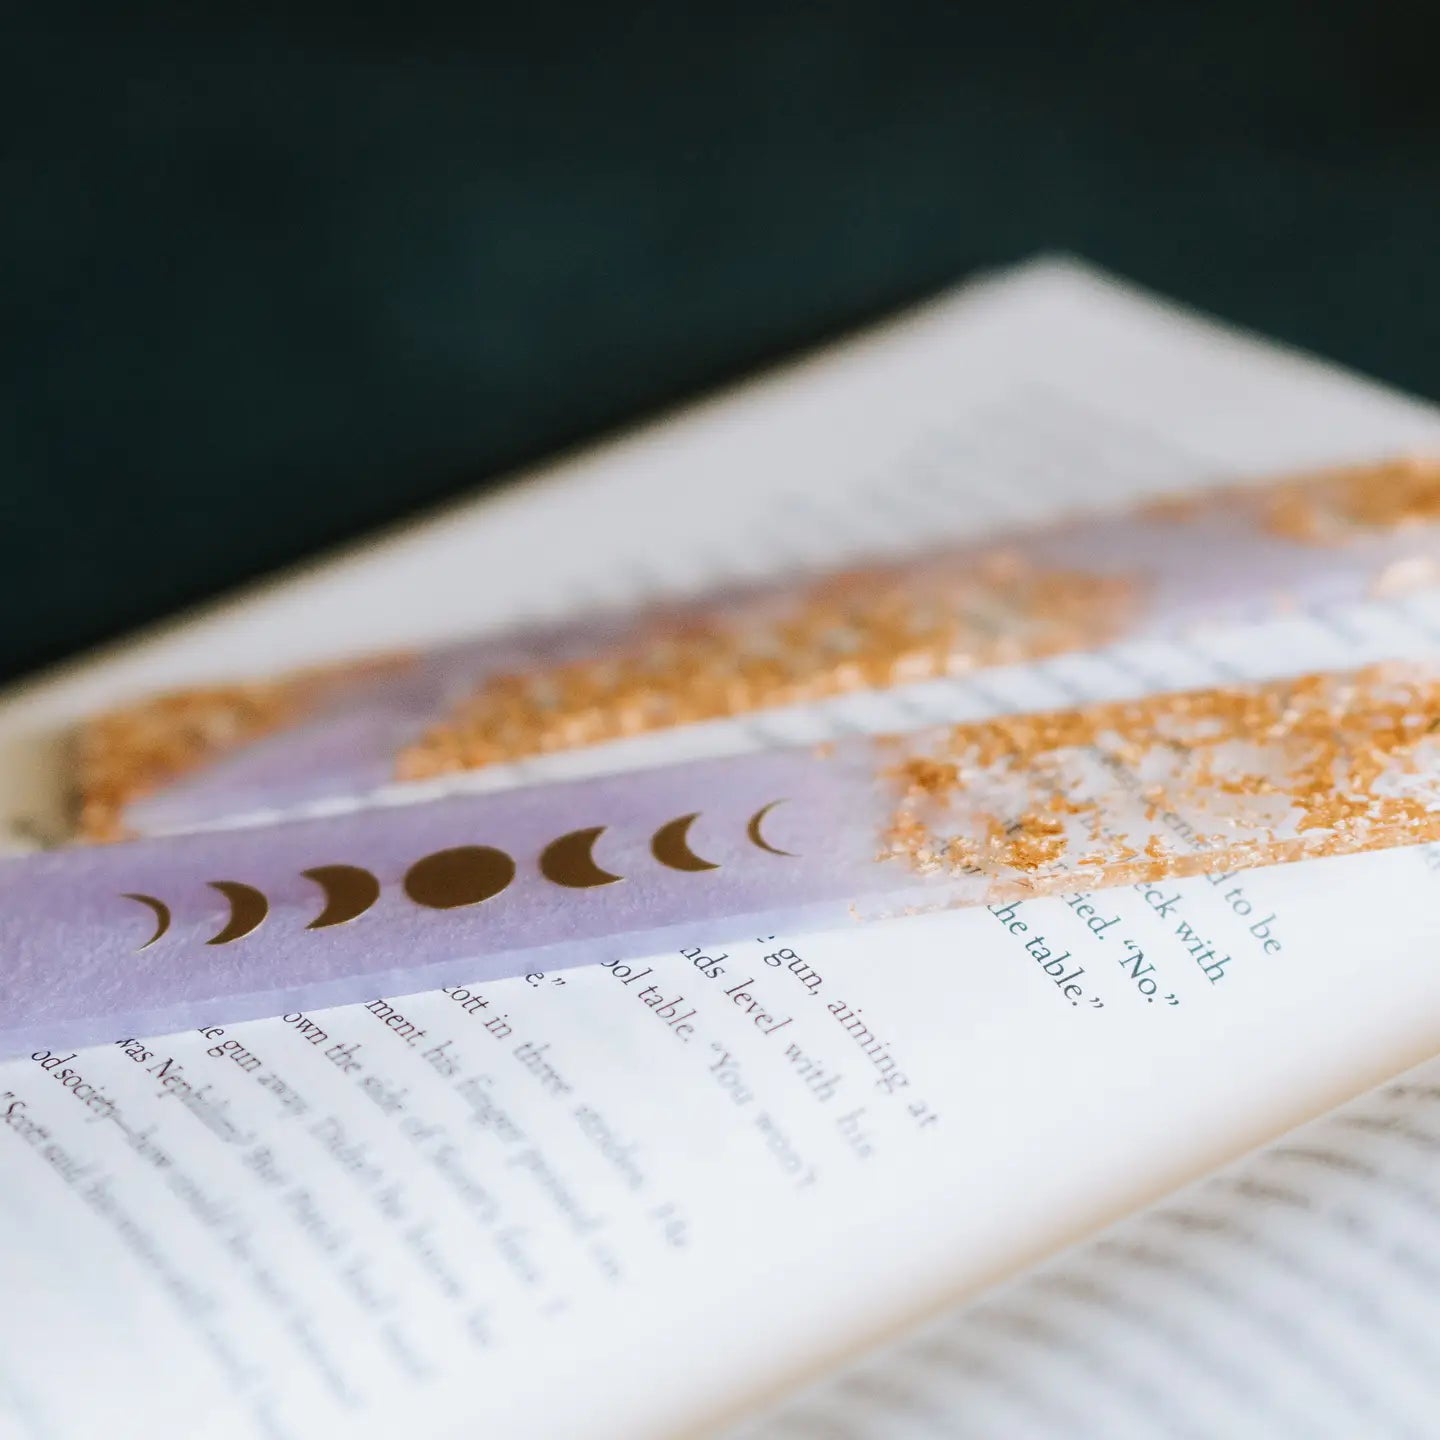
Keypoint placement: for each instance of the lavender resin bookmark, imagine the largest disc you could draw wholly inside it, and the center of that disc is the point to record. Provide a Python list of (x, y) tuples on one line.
[(189, 760), (161, 934)]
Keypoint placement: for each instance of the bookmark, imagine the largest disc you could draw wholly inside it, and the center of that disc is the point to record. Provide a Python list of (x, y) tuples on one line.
[(227, 925), (197, 758)]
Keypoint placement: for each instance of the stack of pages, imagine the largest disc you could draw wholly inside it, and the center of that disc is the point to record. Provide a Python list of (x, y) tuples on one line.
[(1154, 1160)]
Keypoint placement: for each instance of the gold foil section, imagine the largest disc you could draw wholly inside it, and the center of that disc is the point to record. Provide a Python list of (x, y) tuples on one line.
[(1329, 508), (1178, 784), (123, 754), (865, 629), (870, 628)]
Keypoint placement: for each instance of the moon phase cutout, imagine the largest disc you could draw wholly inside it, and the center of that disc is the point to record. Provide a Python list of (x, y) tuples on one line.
[(248, 907), (162, 916), (756, 838), (466, 875), (569, 861), (671, 846), (349, 893)]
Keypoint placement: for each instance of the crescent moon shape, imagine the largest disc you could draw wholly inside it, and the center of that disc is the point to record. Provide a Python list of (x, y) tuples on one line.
[(568, 861), (671, 845), (349, 893), (162, 916), (756, 838), (248, 907)]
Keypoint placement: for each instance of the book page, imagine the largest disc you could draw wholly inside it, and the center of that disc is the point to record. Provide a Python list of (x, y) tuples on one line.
[(635, 1199), (1295, 1293)]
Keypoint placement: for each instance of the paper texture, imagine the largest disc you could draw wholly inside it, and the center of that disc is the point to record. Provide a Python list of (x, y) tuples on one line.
[(637, 1202), (1296, 1293)]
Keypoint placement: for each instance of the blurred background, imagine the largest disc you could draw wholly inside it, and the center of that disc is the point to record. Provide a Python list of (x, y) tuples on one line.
[(274, 274)]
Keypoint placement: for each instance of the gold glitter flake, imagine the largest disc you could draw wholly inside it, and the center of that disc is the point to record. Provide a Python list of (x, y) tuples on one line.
[(863, 630), (1178, 784), (1328, 508), (124, 754)]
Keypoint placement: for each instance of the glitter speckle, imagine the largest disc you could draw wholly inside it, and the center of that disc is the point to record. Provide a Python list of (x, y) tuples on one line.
[(798, 643), (1327, 509), (1178, 784), (863, 630), (121, 755)]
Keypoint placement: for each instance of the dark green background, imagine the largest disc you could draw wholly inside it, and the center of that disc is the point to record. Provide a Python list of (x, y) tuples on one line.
[(274, 274)]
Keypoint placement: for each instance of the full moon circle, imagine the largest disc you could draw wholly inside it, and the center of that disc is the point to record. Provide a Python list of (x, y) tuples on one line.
[(465, 875)]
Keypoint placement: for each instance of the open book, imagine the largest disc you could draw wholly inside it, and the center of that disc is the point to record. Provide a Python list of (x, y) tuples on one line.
[(547, 1207)]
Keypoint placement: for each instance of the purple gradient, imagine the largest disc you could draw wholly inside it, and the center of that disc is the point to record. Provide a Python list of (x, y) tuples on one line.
[(1219, 566), (75, 975)]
